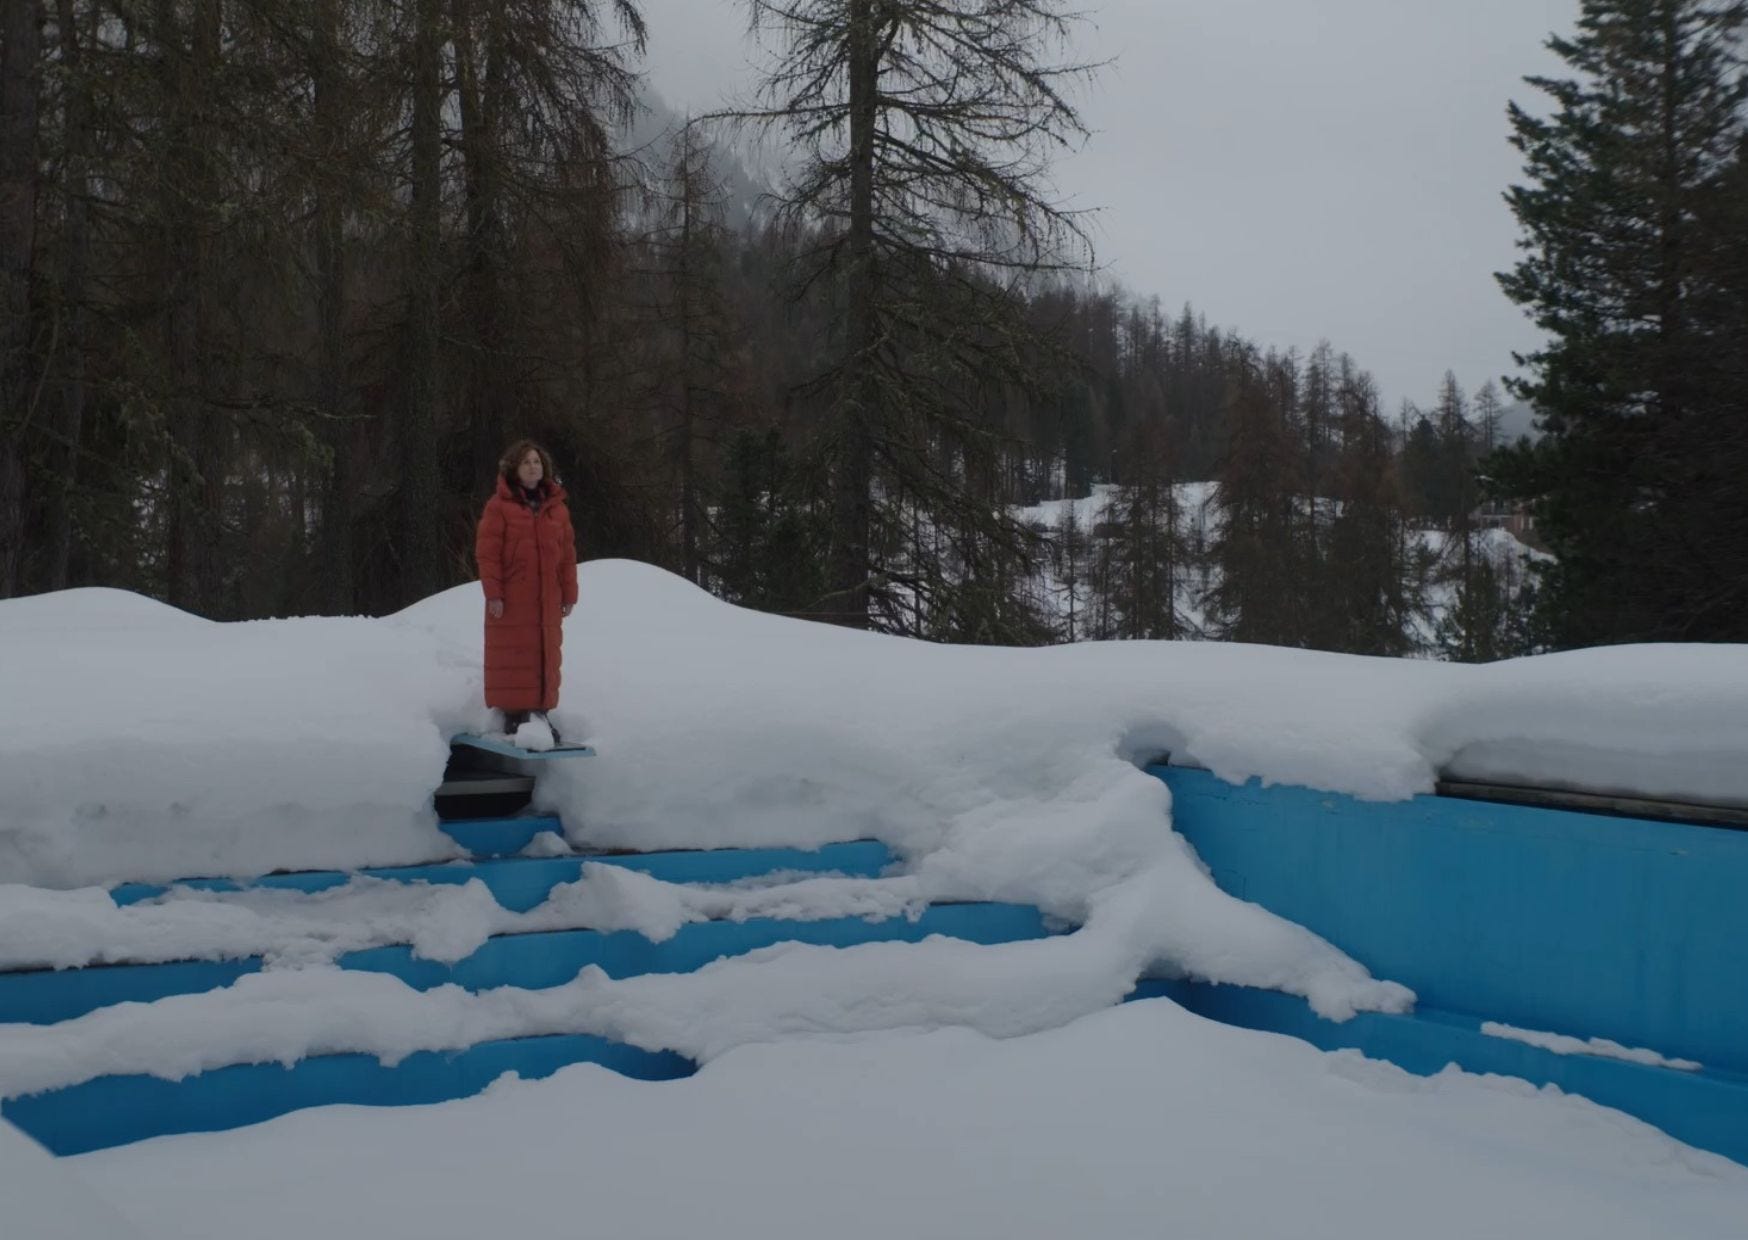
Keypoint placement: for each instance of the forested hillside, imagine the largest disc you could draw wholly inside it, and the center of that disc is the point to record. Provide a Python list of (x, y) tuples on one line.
[(282, 281)]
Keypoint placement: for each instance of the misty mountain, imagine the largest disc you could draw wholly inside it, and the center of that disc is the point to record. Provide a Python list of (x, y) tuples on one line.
[(650, 139)]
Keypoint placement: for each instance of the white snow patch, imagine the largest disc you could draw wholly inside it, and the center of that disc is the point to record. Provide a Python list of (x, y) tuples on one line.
[(46, 1198), (535, 736), (1565, 1044)]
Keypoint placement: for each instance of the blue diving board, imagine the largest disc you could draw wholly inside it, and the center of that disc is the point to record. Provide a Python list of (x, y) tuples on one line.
[(506, 749), (536, 960), (117, 1110), (521, 883), (1707, 1108)]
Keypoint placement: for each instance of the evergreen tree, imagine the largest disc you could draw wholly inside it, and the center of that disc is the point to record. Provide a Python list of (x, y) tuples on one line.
[(1636, 481), (1489, 411), (1422, 460), (1147, 543), (1454, 496), (771, 535), (1485, 619), (1070, 560), (924, 131), (20, 181), (689, 247), (1374, 575), (1253, 599)]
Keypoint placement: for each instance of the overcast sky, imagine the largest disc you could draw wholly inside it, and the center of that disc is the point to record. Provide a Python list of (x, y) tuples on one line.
[(1298, 169)]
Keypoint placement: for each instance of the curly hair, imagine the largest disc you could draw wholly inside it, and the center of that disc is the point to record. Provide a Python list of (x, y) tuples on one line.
[(513, 457)]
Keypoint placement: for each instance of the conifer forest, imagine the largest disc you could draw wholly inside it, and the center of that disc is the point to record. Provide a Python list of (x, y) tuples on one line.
[(280, 279)]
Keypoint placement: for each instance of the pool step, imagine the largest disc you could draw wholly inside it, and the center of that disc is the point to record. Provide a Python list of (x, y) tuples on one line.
[(117, 1110), (522, 883), (530, 961)]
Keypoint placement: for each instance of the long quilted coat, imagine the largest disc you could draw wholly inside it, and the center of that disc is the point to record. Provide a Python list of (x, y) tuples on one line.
[(528, 558)]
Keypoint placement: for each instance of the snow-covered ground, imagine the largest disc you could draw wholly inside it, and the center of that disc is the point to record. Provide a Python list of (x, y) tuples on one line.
[(968, 1090)]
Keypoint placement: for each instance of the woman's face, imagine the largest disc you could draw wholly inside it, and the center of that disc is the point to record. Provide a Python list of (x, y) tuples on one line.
[(529, 472)]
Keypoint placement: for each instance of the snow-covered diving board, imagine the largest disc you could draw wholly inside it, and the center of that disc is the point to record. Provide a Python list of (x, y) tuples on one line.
[(504, 748), (500, 754)]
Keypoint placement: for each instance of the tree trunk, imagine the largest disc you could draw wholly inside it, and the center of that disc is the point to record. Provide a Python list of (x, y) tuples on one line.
[(688, 413), (75, 267), (330, 120), (481, 105), (20, 64), (420, 507), (196, 477), (852, 500)]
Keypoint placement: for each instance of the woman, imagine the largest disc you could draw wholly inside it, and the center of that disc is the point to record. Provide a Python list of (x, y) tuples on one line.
[(527, 555)]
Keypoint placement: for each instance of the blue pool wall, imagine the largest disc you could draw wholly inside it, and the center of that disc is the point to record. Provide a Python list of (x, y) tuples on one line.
[(1548, 919)]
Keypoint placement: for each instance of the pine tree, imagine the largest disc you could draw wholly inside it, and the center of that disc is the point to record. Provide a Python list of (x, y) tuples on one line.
[(1636, 481), (1147, 542), (924, 131), (20, 178), (770, 540), (689, 248), (1254, 599), (1373, 576), (1489, 411), (1068, 553), (1454, 501), (1485, 619)]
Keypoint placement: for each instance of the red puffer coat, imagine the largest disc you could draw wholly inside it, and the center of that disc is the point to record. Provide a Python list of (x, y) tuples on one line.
[(527, 558)]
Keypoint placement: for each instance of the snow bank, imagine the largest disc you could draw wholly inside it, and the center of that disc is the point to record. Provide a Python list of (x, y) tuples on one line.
[(1142, 1121), (140, 742)]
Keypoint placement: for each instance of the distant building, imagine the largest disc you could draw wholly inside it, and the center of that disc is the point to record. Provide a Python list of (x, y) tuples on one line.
[(1515, 518)]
